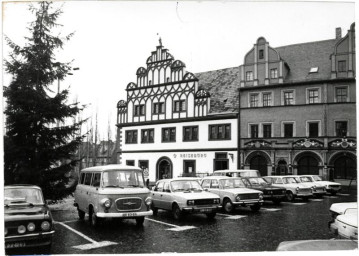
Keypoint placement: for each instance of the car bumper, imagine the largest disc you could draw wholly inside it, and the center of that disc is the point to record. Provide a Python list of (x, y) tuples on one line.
[(29, 240), (271, 197), (124, 214), (248, 202), (319, 193), (330, 190), (209, 209), (304, 195)]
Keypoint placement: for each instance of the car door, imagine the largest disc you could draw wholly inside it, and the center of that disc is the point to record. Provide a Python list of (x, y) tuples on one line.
[(167, 196), (157, 195), (214, 188)]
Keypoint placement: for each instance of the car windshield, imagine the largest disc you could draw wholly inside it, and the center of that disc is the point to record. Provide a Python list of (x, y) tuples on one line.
[(257, 181), (317, 178), (123, 178), (185, 185), (231, 183), (290, 180), (305, 179), (23, 195)]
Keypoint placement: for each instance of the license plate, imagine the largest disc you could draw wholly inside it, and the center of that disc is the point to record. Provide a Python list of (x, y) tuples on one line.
[(15, 245), (206, 210), (130, 214)]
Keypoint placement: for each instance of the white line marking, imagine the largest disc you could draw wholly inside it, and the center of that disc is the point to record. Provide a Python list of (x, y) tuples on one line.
[(271, 209), (316, 200), (93, 243), (293, 203), (339, 194), (69, 221), (232, 217), (175, 227)]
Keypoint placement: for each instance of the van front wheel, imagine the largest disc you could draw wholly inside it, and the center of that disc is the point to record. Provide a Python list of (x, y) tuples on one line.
[(81, 214), (94, 220), (139, 221)]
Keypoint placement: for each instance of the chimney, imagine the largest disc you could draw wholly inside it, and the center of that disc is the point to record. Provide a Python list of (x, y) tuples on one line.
[(338, 33)]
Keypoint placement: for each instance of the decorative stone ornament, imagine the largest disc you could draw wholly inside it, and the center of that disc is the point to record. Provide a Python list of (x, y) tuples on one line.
[(257, 144), (308, 143), (344, 143)]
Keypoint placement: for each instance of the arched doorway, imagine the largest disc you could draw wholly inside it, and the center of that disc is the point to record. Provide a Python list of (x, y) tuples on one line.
[(282, 168), (308, 165), (344, 168), (259, 163), (164, 168)]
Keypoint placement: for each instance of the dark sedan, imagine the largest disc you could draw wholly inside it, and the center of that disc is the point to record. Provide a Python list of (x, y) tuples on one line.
[(270, 193), (28, 220)]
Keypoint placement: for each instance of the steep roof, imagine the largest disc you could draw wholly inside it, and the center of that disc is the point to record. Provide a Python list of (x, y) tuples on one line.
[(302, 57), (222, 84)]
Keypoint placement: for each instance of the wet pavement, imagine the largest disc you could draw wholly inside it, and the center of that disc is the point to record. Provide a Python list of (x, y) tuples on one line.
[(242, 231)]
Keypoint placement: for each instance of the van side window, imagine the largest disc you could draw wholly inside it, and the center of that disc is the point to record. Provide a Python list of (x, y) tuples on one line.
[(82, 179), (88, 178), (214, 184), (206, 183), (96, 180)]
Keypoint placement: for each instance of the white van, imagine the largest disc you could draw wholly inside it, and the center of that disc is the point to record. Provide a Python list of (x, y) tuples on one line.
[(238, 173), (112, 191)]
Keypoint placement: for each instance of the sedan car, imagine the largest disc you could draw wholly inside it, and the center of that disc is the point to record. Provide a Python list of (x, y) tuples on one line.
[(270, 192), (339, 209), (330, 187), (233, 192), (183, 195), (28, 220), (346, 225), (318, 190), (294, 189)]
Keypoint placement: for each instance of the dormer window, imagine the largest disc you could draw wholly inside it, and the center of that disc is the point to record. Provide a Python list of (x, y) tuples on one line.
[(261, 54), (314, 70), (342, 67), (249, 76)]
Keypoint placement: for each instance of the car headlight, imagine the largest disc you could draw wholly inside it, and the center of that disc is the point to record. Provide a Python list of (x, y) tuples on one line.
[(45, 225), (107, 203), (216, 201), (238, 198), (297, 189), (190, 202), (31, 226), (148, 201), (21, 229), (6, 231), (260, 196)]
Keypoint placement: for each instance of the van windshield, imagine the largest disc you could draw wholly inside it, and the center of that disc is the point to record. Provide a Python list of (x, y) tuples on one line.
[(123, 178)]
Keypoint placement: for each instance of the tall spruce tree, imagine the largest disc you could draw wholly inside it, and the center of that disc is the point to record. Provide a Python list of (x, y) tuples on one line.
[(36, 149)]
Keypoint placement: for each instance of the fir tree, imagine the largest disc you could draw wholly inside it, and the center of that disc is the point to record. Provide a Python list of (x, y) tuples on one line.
[(37, 150)]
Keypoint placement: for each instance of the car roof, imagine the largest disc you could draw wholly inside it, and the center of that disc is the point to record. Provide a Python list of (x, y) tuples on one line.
[(22, 186), (221, 177), (180, 178), (241, 170), (110, 167)]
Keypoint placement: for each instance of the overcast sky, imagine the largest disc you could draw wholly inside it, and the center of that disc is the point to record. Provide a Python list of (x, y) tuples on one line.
[(113, 39)]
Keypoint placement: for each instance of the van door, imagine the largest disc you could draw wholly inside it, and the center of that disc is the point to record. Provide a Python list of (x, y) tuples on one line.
[(79, 192), (86, 188), (93, 191)]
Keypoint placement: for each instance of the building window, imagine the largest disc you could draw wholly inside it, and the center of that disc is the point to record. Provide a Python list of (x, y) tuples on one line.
[(190, 133), (267, 130), (342, 66), (169, 134), (254, 130), (147, 136), (288, 98), (274, 73), (139, 110), (288, 130), (179, 106), (220, 132), (267, 99), (130, 162), (341, 128), (313, 129), (249, 76), (313, 96), (253, 100), (261, 54), (159, 108), (341, 94), (131, 137)]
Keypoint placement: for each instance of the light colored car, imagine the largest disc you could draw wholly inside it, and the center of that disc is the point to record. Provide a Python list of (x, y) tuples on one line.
[(237, 173), (339, 209), (294, 189), (233, 192), (346, 225), (317, 189), (330, 187), (183, 195), (318, 245), (112, 191)]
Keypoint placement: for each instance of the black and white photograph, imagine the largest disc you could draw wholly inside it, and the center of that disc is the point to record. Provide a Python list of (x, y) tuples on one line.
[(161, 127)]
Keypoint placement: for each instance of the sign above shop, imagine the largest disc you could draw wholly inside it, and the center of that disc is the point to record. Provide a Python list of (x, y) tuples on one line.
[(190, 155)]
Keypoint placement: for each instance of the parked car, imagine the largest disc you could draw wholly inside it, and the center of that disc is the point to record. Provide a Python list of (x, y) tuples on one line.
[(318, 190), (184, 195), (270, 192), (339, 209), (28, 220), (112, 191), (346, 225), (294, 189), (233, 192), (330, 187), (318, 245), (237, 173)]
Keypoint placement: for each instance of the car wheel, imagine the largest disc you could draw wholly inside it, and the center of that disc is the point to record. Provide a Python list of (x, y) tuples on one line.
[(176, 211), (289, 195), (211, 215), (154, 209), (228, 206), (277, 201), (139, 221), (94, 220), (255, 208), (81, 214)]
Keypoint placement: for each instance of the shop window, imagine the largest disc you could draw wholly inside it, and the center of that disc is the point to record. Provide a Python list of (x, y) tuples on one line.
[(169, 134), (220, 132), (190, 133), (189, 168), (131, 137), (221, 161)]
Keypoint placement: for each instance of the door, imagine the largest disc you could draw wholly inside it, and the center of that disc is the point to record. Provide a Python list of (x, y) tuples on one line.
[(308, 165), (344, 168), (259, 163), (164, 169), (189, 168)]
